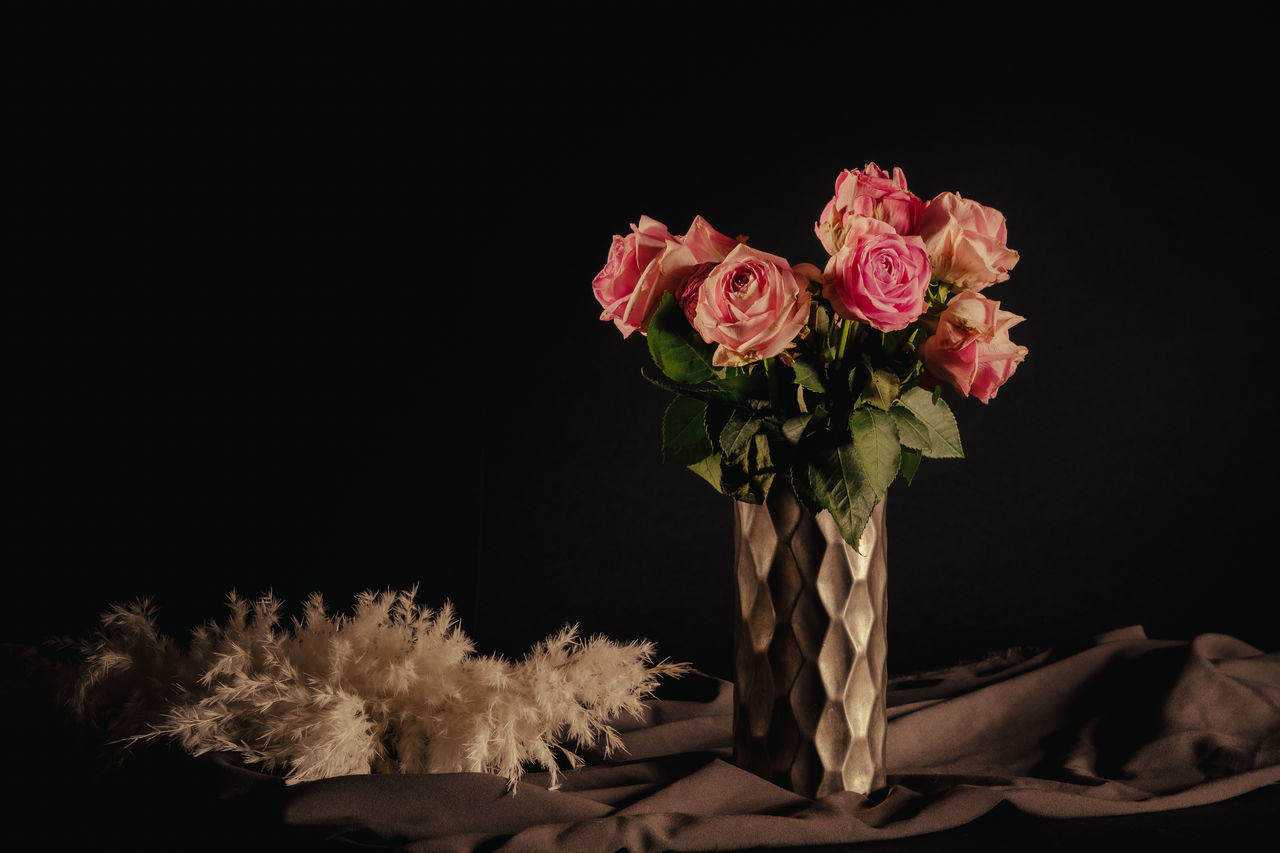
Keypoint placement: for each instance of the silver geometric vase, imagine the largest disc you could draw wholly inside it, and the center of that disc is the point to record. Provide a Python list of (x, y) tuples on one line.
[(809, 648)]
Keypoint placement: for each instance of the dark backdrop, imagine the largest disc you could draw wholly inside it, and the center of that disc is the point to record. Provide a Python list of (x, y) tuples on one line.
[(303, 305)]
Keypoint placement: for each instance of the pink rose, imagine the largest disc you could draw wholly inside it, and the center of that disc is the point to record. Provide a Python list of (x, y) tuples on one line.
[(706, 243), (752, 304), (650, 262), (878, 276), (700, 249), (971, 350), (688, 291), (966, 242), (872, 192), (630, 286)]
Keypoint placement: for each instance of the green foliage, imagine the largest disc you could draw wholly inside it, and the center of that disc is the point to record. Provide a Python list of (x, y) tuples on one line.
[(910, 463), (738, 432), (838, 485), (807, 376), (925, 423), (793, 428), (709, 470), (839, 418), (747, 475), (684, 432), (875, 442), (884, 389), (676, 348)]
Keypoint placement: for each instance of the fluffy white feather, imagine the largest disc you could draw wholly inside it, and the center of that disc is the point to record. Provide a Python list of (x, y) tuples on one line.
[(393, 687)]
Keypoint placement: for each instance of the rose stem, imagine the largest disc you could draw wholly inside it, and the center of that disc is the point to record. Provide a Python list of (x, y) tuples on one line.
[(844, 337)]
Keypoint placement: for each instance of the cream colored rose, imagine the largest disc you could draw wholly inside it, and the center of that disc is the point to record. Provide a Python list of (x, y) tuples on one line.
[(966, 242)]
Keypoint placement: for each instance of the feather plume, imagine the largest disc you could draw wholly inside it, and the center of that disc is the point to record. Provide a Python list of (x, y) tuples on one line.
[(392, 688)]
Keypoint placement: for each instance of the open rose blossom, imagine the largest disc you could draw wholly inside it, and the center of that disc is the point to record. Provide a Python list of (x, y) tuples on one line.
[(873, 192), (629, 288), (706, 243), (878, 277), (697, 253), (971, 350), (689, 290), (647, 263), (752, 304), (966, 242)]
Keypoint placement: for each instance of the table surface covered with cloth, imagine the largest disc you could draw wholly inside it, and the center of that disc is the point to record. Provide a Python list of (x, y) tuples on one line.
[(1175, 744)]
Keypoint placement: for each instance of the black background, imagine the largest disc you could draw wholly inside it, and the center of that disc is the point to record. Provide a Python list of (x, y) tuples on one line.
[(302, 303)]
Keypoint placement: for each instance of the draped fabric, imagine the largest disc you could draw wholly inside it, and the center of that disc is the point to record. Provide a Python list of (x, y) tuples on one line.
[(1122, 726)]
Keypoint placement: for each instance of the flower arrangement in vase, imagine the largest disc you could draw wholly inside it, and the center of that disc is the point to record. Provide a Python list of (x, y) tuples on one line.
[(803, 393), (827, 378)]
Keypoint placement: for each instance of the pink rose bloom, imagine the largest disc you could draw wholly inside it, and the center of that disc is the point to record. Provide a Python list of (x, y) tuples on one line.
[(687, 292), (869, 191), (966, 242), (649, 262), (971, 350), (706, 243), (699, 250), (630, 286), (878, 276), (752, 304)]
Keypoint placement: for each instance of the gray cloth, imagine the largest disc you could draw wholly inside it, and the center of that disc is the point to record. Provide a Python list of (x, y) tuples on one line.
[(1123, 726)]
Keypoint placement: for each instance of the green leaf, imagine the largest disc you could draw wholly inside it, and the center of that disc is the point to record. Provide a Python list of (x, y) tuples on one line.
[(762, 464), (738, 432), (807, 377), (743, 381), (800, 486), (910, 462), (685, 440), (911, 432), (676, 348), (823, 329), (728, 398), (938, 292), (709, 470), (927, 425), (748, 476), (838, 485), (937, 393), (875, 440), (761, 454), (860, 378), (793, 428), (883, 390)]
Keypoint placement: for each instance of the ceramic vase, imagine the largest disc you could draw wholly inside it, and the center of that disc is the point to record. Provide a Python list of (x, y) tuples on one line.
[(809, 648)]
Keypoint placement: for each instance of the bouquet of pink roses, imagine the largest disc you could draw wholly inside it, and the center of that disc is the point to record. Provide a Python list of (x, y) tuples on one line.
[(827, 378)]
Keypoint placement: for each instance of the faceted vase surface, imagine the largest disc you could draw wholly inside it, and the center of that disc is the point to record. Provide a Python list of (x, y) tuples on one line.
[(809, 648)]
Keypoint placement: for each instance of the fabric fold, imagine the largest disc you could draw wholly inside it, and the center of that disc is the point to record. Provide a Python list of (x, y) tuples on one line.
[(1124, 725)]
